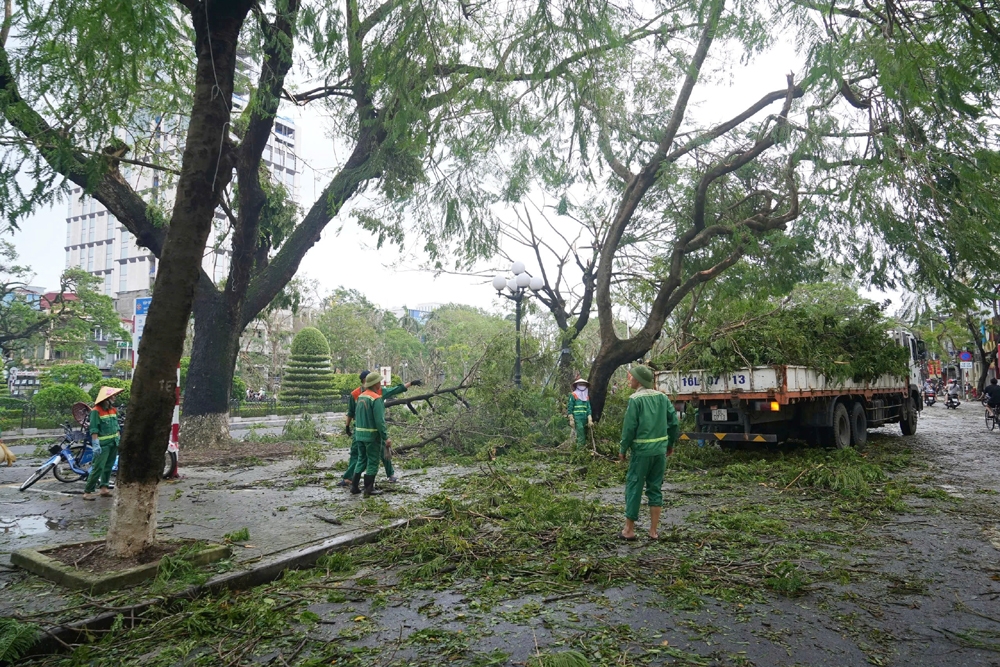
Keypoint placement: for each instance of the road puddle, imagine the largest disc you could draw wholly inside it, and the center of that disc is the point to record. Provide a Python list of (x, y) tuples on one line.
[(29, 525)]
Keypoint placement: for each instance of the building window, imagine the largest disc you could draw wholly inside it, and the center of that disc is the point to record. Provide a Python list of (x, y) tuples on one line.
[(123, 277), (69, 231), (111, 227), (125, 243), (291, 160), (67, 258), (109, 254), (90, 258), (93, 204), (93, 230), (107, 284)]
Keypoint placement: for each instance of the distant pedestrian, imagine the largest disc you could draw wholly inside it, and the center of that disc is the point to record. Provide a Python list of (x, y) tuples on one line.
[(650, 430), (579, 412), (104, 440)]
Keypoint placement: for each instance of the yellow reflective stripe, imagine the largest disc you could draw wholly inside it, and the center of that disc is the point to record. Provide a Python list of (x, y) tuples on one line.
[(369, 430), (107, 437), (644, 440)]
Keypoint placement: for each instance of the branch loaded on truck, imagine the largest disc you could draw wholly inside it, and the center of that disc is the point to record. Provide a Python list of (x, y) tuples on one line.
[(774, 403)]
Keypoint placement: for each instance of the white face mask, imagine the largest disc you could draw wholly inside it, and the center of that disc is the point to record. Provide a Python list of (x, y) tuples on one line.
[(582, 392)]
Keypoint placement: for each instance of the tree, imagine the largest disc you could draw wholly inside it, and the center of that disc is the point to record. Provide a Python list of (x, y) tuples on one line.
[(308, 377), (75, 374), (59, 398), (66, 319)]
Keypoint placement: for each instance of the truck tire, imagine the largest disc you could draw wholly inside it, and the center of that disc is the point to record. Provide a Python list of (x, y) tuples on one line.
[(840, 434), (908, 420), (859, 425)]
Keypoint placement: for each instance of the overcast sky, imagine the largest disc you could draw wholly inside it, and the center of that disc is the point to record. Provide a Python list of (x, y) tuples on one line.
[(339, 259)]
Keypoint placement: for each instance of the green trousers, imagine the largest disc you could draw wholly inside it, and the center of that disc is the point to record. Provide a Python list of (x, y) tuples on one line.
[(644, 471), (369, 456), (581, 430), (100, 467), (355, 465)]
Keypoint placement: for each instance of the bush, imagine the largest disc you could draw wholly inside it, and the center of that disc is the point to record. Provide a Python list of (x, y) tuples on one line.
[(308, 376), (121, 399), (239, 388), (75, 374), (345, 383), (59, 398)]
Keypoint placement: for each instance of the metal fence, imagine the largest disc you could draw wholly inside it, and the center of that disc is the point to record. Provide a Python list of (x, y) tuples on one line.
[(269, 407)]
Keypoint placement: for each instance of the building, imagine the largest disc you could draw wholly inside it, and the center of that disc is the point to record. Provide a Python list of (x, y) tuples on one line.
[(420, 314), (97, 243)]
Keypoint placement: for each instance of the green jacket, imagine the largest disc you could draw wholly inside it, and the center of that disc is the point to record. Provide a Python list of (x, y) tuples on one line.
[(650, 425), (388, 392), (104, 424), (369, 418), (576, 407)]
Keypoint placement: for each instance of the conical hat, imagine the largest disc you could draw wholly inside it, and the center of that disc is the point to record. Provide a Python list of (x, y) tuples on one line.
[(107, 392), (581, 381)]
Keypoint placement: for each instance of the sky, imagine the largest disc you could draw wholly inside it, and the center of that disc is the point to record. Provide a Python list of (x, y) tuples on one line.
[(340, 258)]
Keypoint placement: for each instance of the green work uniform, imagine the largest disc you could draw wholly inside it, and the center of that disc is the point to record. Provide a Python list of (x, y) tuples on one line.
[(650, 430), (579, 410), (103, 424), (353, 464), (370, 432)]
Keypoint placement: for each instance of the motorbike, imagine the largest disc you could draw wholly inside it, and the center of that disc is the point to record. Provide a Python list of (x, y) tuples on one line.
[(952, 403), (930, 397)]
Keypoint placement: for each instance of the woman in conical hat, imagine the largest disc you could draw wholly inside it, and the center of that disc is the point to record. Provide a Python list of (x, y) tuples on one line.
[(579, 411), (104, 438)]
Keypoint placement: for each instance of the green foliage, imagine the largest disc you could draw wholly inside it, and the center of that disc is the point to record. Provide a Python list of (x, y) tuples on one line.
[(59, 398), (15, 639), (308, 376), (843, 338), (241, 535), (78, 374), (300, 428), (560, 659), (345, 383), (121, 399), (185, 365), (239, 388), (122, 368)]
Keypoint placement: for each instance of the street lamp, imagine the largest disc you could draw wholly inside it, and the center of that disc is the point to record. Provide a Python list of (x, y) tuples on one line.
[(516, 287)]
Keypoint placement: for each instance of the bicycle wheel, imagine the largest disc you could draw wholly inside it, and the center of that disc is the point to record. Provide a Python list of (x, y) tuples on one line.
[(169, 465), (37, 475), (991, 421), (64, 473)]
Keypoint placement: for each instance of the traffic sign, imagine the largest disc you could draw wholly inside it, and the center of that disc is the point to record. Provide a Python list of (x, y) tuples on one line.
[(966, 365), (139, 323), (965, 356)]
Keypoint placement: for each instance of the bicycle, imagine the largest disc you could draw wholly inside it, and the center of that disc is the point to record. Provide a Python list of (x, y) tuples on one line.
[(992, 418)]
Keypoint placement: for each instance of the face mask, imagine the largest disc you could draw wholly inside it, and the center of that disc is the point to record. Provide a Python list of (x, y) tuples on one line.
[(582, 392)]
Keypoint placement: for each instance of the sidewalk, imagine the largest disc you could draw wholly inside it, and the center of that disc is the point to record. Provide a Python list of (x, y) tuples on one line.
[(281, 507)]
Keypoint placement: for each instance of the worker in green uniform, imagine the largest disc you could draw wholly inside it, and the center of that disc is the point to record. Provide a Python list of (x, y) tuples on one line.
[(650, 430), (352, 402), (371, 434), (578, 409), (104, 440)]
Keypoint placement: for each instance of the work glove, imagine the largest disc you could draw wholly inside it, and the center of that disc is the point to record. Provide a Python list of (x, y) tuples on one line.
[(569, 418), (96, 445), (590, 420), (417, 383), (348, 430)]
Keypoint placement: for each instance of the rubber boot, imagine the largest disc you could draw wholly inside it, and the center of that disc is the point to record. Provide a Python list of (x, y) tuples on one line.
[(356, 484), (370, 486)]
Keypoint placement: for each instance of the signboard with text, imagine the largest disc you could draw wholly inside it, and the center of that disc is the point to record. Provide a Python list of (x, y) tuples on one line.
[(386, 372), (139, 324)]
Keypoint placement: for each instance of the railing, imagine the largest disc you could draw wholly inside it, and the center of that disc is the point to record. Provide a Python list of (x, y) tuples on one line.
[(269, 407)]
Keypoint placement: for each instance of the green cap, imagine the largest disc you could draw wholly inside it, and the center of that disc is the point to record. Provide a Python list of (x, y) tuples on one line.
[(644, 375), (371, 380)]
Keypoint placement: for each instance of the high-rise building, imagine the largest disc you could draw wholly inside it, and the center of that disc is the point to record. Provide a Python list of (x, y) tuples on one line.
[(99, 244)]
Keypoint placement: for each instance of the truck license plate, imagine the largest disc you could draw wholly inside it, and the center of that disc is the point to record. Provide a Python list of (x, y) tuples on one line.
[(720, 415)]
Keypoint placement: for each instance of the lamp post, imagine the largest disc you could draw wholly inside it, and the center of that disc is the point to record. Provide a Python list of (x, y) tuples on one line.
[(516, 288)]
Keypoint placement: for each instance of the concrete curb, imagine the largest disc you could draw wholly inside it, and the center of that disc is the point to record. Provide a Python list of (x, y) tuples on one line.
[(60, 639), (37, 562)]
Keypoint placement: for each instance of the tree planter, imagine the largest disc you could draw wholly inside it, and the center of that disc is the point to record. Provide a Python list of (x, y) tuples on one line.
[(38, 562)]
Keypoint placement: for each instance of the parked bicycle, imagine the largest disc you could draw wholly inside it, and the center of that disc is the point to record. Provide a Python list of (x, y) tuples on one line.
[(72, 457)]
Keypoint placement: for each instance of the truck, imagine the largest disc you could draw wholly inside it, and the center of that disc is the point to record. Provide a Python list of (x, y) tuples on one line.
[(776, 403)]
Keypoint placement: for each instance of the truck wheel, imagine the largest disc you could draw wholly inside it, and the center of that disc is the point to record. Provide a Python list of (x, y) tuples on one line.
[(841, 427), (908, 421), (859, 425)]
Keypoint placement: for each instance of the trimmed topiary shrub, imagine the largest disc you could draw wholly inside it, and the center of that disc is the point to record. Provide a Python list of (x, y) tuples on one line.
[(308, 376), (121, 400), (59, 398)]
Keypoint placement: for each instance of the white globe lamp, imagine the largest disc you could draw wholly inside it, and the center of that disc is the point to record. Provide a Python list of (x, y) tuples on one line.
[(523, 280), (518, 268), (499, 282), (512, 285), (536, 283)]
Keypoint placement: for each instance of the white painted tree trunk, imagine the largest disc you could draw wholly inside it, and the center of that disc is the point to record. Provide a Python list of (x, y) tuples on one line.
[(208, 431), (133, 519)]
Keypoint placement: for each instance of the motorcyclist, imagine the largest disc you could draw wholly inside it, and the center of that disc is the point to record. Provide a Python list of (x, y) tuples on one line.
[(992, 393)]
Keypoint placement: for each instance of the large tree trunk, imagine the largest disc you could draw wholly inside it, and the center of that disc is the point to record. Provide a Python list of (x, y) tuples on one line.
[(206, 169), (613, 353), (214, 350)]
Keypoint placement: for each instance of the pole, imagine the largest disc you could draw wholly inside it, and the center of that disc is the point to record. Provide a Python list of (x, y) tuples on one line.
[(517, 339)]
